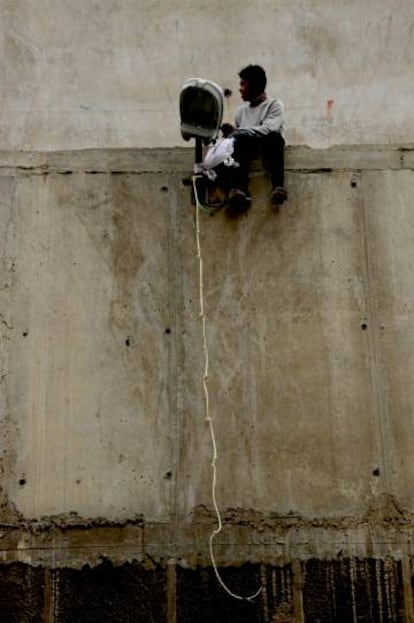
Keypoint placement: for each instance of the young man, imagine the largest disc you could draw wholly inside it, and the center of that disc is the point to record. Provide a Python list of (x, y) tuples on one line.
[(259, 127)]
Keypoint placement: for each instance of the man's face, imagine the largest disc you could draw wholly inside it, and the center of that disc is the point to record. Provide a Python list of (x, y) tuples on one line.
[(244, 90)]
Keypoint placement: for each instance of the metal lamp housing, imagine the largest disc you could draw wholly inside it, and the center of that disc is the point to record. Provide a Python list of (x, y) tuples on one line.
[(201, 109)]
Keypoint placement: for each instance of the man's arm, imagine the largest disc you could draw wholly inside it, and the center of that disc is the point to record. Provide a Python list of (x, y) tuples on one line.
[(271, 123)]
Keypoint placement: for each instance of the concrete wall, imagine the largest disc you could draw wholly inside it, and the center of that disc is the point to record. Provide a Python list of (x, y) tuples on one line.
[(107, 74), (106, 454)]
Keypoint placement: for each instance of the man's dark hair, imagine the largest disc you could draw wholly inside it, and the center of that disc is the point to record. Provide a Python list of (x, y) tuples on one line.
[(256, 77)]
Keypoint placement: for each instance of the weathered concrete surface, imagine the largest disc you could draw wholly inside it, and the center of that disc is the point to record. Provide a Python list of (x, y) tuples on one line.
[(83, 311), (107, 74), (106, 453), (366, 591)]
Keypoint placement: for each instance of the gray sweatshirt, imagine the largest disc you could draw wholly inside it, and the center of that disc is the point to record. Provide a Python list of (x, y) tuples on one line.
[(262, 119)]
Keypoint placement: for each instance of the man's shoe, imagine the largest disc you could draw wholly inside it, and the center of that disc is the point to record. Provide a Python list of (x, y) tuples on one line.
[(238, 198), (215, 196), (279, 195)]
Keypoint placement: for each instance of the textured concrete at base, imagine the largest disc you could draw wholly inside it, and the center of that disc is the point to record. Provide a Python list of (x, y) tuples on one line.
[(108, 74), (364, 591), (106, 452)]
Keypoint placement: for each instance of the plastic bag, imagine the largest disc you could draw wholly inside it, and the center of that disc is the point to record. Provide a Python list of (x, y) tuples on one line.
[(219, 153)]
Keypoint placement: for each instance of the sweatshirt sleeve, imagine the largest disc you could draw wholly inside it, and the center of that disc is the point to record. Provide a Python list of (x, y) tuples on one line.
[(238, 118), (272, 121)]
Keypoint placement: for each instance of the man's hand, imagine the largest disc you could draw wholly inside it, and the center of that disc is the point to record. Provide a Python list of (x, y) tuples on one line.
[(227, 129)]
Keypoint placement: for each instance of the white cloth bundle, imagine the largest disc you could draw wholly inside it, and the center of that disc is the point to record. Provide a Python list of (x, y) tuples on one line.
[(219, 153)]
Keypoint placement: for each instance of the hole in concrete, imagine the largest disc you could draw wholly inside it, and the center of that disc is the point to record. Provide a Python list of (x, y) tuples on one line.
[(364, 326), (22, 482), (25, 333), (164, 189), (168, 330), (376, 472), (168, 475), (128, 341), (353, 184)]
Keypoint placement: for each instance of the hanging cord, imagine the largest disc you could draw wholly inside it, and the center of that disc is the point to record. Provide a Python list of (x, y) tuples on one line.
[(209, 420)]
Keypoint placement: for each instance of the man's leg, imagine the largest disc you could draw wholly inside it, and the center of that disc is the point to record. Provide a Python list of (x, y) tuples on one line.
[(245, 147), (273, 146)]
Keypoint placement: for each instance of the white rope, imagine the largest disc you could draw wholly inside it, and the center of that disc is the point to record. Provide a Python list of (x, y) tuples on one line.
[(209, 420)]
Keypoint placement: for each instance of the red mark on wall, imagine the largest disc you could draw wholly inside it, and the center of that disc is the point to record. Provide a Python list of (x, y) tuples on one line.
[(329, 105)]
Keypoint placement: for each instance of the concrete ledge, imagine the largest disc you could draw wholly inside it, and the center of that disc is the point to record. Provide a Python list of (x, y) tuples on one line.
[(277, 541), (298, 158)]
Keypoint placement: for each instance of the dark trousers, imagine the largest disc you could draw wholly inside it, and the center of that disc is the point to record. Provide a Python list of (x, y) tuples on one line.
[(246, 147)]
